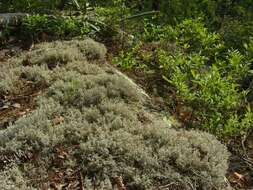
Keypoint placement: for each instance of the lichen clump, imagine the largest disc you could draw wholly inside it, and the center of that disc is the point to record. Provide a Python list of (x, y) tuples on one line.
[(90, 119)]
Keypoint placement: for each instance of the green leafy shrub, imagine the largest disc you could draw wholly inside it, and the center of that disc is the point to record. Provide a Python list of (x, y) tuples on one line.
[(194, 36), (206, 77), (53, 26), (127, 60), (191, 34), (103, 135), (154, 32), (213, 96)]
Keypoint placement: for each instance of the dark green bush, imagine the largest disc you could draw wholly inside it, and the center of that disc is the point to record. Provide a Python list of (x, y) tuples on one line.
[(235, 33), (40, 5)]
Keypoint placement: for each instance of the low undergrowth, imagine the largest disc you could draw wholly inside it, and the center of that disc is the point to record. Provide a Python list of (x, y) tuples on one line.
[(39, 26), (93, 121), (210, 82)]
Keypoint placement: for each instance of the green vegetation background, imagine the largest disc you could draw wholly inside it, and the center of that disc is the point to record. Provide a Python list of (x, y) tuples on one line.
[(198, 52), (203, 50)]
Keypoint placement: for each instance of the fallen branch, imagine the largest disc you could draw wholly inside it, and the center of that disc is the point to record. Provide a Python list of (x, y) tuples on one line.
[(140, 15), (119, 182)]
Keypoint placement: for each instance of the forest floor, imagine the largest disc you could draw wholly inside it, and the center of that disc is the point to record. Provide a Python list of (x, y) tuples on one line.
[(14, 106)]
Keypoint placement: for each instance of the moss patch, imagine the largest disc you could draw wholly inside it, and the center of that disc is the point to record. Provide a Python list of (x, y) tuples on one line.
[(88, 123)]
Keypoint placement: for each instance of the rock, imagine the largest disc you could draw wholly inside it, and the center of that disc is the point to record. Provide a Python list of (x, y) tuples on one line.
[(4, 105), (11, 18), (133, 83), (16, 105)]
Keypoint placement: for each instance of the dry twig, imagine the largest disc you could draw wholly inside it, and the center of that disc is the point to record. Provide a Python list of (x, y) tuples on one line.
[(119, 182)]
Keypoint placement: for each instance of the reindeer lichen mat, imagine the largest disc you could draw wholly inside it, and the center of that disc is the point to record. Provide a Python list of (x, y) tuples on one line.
[(90, 127)]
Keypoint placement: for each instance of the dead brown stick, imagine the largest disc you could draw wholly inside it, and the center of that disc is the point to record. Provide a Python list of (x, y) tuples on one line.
[(119, 182), (81, 181)]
